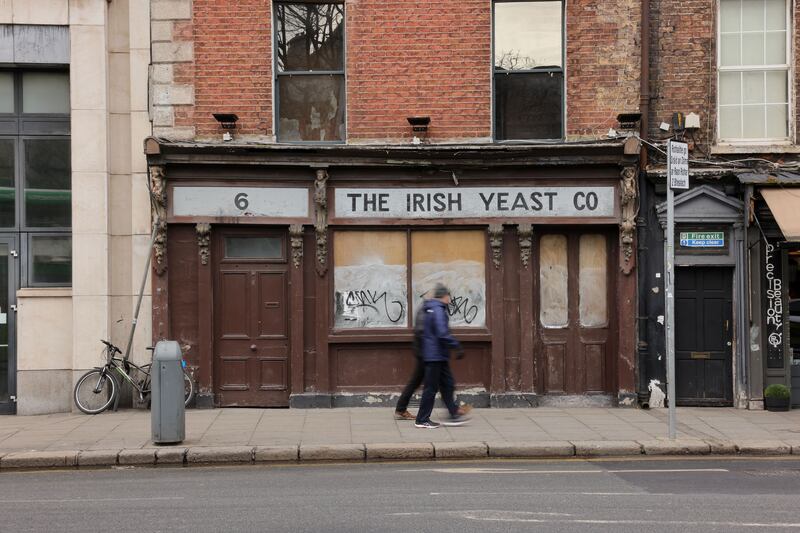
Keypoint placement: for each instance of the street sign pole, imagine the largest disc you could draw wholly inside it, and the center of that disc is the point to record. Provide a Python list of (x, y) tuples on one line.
[(677, 178)]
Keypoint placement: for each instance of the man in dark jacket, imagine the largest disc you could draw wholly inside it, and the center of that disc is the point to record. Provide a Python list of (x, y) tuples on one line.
[(435, 345)]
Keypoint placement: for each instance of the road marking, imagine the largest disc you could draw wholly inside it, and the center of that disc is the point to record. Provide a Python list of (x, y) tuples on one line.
[(549, 493), (525, 471), (97, 500), (529, 517)]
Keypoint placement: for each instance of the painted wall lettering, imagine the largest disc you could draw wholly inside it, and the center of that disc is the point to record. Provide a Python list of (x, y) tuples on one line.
[(774, 308), (273, 202)]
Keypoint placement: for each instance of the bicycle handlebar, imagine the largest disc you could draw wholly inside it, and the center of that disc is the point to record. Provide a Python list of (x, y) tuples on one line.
[(111, 346)]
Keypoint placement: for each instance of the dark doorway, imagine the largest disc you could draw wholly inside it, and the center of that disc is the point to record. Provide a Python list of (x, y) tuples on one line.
[(251, 319), (8, 291), (703, 336)]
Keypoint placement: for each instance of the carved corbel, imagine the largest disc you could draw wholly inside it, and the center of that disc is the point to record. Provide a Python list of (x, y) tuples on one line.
[(296, 238), (203, 230), (525, 233), (496, 243), (321, 224), (629, 196), (158, 209)]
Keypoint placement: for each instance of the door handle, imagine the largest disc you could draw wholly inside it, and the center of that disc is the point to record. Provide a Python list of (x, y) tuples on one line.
[(253, 347)]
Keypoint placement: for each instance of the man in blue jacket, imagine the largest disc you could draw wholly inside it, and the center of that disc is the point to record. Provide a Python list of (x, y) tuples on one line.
[(435, 346)]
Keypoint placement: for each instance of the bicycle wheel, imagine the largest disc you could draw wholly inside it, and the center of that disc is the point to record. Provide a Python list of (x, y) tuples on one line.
[(95, 391), (188, 388)]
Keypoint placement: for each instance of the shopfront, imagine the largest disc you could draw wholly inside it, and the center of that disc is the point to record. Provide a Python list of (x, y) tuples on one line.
[(291, 276)]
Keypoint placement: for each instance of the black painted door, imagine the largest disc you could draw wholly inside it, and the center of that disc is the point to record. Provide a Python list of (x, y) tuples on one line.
[(703, 336)]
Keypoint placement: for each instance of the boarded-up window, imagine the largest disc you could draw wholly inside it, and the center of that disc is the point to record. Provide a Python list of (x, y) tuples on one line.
[(370, 279), (553, 284), (456, 259), (593, 281)]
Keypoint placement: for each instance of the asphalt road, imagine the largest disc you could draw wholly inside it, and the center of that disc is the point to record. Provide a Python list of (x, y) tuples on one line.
[(670, 495)]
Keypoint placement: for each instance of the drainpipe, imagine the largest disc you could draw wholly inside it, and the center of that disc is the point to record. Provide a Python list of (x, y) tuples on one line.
[(644, 76), (642, 270)]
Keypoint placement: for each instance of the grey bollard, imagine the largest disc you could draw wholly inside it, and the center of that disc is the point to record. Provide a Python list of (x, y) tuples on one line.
[(167, 410)]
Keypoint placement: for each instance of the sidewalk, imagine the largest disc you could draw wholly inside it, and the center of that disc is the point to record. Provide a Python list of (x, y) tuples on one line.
[(247, 435)]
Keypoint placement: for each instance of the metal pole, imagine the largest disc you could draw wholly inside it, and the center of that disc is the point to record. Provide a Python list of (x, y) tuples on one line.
[(669, 292), (141, 289)]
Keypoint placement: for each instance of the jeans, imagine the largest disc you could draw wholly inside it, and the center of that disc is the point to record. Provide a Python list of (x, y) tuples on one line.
[(411, 386), (438, 377)]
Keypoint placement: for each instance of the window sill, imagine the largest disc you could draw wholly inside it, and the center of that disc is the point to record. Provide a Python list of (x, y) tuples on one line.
[(773, 148), (45, 292)]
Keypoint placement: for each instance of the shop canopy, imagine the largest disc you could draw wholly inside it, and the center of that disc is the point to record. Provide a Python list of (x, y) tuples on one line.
[(785, 206)]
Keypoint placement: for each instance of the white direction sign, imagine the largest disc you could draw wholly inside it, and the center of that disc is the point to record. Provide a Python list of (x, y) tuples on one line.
[(678, 164)]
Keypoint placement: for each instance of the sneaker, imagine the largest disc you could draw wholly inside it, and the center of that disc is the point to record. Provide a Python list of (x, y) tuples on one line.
[(458, 420), (464, 410), (429, 424), (403, 415)]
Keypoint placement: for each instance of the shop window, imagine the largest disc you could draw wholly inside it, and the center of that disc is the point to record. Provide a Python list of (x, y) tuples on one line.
[(793, 283), (456, 259), (36, 173), (528, 70), (593, 280), (372, 276), (553, 281), (370, 279), (753, 70), (309, 70)]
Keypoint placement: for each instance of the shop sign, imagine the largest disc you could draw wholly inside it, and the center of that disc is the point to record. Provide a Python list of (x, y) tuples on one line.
[(475, 202), (699, 239), (273, 202), (774, 307)]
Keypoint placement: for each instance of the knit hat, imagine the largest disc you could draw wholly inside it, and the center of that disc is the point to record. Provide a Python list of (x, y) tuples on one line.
[(440, 291)]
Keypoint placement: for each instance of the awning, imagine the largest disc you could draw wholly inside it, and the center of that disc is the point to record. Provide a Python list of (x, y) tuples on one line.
[(785, 206)]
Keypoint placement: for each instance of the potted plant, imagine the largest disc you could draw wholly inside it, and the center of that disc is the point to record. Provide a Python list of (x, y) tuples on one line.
[(777, 398)]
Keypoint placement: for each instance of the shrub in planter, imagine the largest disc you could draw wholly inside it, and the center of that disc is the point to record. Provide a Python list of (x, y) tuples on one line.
[(777, 398)]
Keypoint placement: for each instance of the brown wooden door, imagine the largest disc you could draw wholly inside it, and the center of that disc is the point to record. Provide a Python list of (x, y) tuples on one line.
[(573, 312), (251, 320)]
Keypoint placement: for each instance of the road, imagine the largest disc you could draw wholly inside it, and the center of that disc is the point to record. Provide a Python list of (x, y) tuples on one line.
[(670, 495)]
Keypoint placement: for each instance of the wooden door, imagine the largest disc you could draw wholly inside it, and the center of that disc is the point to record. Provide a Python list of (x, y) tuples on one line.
[(703, 336), (573, 312), (251, 320)]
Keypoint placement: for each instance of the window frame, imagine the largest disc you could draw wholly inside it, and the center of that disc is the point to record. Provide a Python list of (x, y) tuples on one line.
[(410, 301), (562, 70), (277, 74), (787, 67), (26, 272)]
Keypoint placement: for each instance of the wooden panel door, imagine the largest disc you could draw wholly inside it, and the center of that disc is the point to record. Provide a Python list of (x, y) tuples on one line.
[(251, 320), (573, 312), (703, 336)]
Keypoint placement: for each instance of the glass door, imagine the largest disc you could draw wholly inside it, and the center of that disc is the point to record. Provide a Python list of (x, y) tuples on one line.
[(8, 290)]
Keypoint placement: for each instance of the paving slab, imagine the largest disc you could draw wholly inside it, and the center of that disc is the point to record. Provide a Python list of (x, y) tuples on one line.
[(332, 452), (220, 454), (50, 459), (531, 449), (137, 456), (764, 447), (271, 454), (389, 451), (460, 450), (98, 457), (603, 448), (675, 447)]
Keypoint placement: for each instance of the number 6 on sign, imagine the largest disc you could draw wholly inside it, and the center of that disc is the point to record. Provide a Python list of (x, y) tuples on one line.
[(241, 201)]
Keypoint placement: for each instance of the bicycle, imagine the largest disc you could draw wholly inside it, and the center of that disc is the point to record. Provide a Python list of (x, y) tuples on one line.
[(98, 389)]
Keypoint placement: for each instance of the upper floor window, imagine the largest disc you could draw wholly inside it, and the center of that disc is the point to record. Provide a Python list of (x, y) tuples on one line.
[(309, 72), (753, 71), (528, 70)]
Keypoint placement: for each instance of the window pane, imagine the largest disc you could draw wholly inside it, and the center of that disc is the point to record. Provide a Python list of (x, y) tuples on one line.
[(7, 192), (528, 106), (730, 88), (775, 48), (730, 122), (6, 92), (776, 14), (527, 35), (593, 281), (730, 47), (370, 279), (51, 259), (753, 87), (309, 36), (752, 15), (45, 92), (311, 108), (777, 121), (254, 247), (753, 49), (47, 183), (776, 87), (458, 260), (553, 298), (730, 11), (753, 122)]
